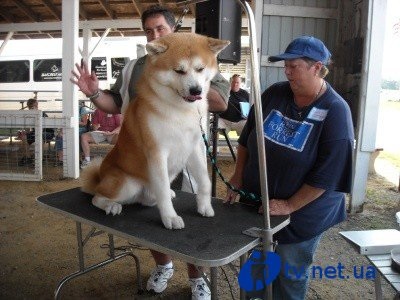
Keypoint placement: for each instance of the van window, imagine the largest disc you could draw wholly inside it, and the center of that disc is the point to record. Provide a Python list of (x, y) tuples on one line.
[(47, 70), (99, 66), (14, 71), (117, 64)]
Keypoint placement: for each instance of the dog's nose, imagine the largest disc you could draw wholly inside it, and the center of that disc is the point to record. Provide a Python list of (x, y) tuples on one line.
[(194, 91)]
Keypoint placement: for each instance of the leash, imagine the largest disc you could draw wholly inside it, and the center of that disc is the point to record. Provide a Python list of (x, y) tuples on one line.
[(242, 193)]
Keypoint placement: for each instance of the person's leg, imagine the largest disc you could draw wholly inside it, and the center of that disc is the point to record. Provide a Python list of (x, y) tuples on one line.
[(297, 258), (163, 271), (59, 149), (24, 149), (200, 289), (194, 272), (238, 126), (161, 258), (114, 139), (88, 138)]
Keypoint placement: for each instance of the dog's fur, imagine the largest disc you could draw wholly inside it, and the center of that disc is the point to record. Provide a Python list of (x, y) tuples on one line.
[(161, 133)]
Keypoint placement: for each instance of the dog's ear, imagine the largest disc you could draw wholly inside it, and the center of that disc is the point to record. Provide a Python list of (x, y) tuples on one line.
[(216, 45), (155, 47)]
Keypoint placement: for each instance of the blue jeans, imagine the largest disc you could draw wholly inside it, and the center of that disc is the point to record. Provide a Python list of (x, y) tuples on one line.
[(292, 282)]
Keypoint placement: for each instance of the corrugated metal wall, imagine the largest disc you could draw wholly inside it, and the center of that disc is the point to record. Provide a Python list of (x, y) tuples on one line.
[(284, 20)]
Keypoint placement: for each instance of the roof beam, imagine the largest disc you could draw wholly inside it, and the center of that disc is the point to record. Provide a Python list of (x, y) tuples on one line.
[(107, 8), (82, 12), (29, 12), (52, 8), (6, 16), (193, 9), (93, 24), (138, 6)]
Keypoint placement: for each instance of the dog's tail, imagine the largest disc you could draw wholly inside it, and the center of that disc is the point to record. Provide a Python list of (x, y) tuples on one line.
[(90, 177)]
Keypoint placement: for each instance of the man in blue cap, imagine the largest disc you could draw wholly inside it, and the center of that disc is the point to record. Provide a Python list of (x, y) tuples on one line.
[(309, 143)]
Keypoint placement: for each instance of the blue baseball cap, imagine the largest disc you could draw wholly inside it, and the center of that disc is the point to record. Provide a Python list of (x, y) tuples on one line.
[(304, 46)]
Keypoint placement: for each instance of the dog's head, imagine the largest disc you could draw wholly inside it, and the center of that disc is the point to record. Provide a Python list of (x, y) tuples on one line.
[(184, 63)]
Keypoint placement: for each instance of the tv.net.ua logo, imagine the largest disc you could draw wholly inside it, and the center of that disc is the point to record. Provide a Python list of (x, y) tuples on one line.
[(261, 269)]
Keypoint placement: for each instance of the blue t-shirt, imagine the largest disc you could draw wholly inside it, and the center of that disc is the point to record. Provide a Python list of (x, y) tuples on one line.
[(312, 145)]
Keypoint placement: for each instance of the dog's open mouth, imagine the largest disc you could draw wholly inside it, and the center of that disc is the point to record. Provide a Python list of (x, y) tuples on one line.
[(192, 98)]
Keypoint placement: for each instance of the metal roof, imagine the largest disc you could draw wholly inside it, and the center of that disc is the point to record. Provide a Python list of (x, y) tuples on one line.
[(13, 12)]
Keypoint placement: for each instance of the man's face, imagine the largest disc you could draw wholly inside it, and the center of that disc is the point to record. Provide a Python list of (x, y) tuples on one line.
[(235, 84), (155, 27), (33, 106)]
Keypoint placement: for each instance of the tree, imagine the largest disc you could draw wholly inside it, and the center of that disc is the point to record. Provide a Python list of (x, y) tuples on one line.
[(390, 85)]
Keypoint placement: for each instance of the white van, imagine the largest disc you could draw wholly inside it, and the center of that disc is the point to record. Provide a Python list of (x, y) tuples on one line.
[(39, 75)]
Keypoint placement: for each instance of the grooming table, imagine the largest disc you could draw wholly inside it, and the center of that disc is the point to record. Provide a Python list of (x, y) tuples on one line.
[(376, 246), (206, 242), (382, 262)]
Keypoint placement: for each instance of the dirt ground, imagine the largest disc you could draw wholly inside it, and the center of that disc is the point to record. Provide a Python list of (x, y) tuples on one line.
[(38, 248)]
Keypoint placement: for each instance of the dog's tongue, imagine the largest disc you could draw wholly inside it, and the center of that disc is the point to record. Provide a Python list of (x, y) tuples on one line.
[(193, 98)]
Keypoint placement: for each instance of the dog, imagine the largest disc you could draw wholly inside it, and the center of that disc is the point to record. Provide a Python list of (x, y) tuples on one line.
[(160, 133)]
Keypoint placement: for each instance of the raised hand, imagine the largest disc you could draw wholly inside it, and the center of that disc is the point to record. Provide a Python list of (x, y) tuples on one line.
[(86, 81)]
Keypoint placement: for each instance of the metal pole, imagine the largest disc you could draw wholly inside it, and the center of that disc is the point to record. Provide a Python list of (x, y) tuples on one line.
[(258, 113), (266, 235)]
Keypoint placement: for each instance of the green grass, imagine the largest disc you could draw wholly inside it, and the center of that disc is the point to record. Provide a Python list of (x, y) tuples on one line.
[(392, 105), (393, 158)]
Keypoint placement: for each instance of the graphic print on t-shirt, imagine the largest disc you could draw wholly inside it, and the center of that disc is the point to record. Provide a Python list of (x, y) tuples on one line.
[(287, 132)]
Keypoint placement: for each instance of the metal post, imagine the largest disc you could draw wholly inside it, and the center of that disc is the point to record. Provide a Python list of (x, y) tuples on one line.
[(214, 283), (80, 246), (267, 236), (214, 130)]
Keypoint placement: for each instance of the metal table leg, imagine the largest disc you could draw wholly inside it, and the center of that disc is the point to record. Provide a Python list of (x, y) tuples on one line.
[(378, 287), (83, 270), (214, 283)]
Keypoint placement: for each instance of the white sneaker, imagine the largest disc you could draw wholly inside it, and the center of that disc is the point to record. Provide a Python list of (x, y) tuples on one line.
[(85, 163), (159, 278), (200, 290)]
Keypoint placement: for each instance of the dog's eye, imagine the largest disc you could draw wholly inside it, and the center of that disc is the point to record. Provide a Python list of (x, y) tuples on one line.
[(181, 72), (199, 70)]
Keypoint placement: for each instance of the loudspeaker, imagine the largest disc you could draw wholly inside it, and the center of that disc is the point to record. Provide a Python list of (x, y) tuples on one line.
[(221, 19)]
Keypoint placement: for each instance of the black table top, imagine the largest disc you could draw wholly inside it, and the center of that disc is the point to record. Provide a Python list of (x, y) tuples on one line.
[(207, 242)]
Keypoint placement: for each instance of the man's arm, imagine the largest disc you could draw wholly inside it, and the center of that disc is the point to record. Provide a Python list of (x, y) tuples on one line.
[(106, 103), (216, 102), (218, 94)]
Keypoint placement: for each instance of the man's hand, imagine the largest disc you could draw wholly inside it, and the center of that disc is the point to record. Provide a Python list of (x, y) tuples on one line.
[(86, 81)]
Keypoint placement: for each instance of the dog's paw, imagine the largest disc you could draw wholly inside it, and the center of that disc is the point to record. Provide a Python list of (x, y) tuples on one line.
[(114, 208), (206, 210), (175, 222), (173, 195)]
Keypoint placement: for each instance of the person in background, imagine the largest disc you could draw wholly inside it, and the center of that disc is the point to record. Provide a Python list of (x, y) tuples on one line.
[(309, 142), (28, 136), (157, 21), (84, 126), (105, 127), (234, 118)]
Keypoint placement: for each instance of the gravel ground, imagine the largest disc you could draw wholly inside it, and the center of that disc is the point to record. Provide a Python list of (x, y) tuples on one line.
[(38, 248)]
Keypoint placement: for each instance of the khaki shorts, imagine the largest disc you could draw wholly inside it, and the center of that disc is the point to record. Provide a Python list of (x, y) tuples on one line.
[(100, 137)]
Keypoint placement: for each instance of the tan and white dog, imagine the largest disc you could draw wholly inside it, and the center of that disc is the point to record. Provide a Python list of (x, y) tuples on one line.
[(161, 133)]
